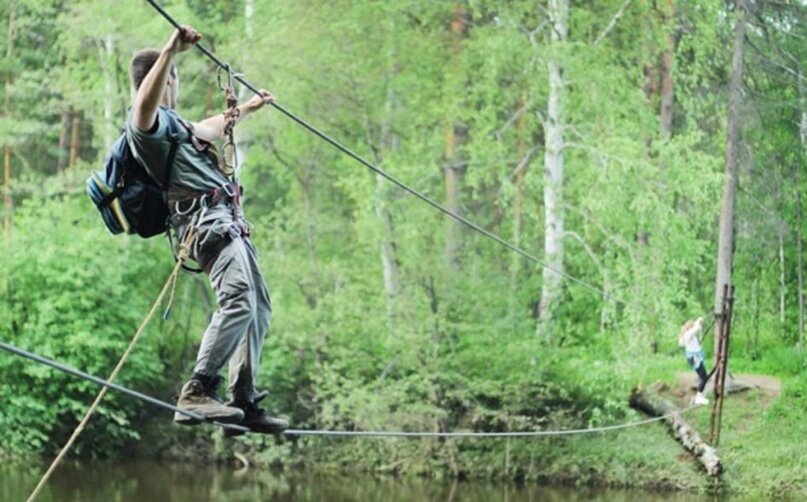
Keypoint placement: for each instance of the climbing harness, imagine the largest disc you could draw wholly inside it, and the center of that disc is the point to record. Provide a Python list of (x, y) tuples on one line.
[(192, 208)]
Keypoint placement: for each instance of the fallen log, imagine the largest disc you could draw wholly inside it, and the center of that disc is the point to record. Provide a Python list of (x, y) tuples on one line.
[(655, 405)]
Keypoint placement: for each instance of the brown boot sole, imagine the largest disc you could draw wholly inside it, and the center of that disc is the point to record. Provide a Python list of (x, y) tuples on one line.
[(232, 418)]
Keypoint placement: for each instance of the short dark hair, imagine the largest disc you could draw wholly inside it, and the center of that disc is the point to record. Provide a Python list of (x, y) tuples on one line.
[(141, 63)]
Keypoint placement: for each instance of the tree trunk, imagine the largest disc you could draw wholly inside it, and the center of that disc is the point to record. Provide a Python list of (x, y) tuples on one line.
[(389, 263), (800, 268), (782, 284), (667, 89), (553, 171), (62, 153), (518, 204), (389, 143), (7, 201), (454, 168), (7, 204), (311, 244), (74, 137), (657, 406), (106, 56), (799, 242), (241, 140), (725, 250)]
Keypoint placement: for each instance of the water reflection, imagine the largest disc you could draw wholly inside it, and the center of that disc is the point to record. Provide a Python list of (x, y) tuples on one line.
[(153, 482)]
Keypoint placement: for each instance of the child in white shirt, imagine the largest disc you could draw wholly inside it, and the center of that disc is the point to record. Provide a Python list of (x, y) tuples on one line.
[(688, 338)]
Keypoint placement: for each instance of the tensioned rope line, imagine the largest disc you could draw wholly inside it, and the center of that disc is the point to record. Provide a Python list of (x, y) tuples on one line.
[(333, 433), (388, 176)]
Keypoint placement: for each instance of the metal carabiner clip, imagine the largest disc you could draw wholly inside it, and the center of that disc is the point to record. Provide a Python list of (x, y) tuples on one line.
[(229, 71), (178, 211)]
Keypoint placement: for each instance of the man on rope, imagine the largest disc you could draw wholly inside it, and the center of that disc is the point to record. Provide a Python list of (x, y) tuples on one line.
[(202, 195)]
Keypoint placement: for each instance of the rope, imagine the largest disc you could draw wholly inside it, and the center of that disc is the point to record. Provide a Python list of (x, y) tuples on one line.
[(230, 119), (171, 279), (562, 432), (377, 170), (104, 383), (335, 433)]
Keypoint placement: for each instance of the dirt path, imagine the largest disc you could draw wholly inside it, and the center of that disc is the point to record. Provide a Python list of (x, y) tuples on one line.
[(770, 386)]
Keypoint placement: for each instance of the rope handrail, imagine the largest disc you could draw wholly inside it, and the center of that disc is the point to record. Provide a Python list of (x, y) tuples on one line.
[(334, 433)]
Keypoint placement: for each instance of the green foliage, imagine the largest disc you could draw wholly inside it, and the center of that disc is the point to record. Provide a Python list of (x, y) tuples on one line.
[(73, 295), (443, 346)]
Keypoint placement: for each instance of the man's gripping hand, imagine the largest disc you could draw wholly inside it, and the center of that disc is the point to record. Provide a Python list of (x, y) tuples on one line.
[(259, 100), (182, 39)]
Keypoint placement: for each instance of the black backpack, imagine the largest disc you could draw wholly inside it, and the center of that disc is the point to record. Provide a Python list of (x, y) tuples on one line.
[(129, 198)]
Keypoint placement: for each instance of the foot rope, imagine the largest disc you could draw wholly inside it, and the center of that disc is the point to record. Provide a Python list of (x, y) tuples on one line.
[(319, 432)]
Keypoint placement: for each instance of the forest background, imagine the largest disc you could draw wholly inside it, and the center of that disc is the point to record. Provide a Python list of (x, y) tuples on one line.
[(597, 136)]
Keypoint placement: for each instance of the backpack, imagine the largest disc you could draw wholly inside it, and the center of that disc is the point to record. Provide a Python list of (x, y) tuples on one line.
[(129, 198)]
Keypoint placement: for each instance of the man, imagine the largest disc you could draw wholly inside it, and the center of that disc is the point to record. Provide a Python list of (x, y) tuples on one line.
[(200, 194)]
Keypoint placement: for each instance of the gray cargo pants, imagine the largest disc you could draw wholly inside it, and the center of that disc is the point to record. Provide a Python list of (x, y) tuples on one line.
[(238, 326)]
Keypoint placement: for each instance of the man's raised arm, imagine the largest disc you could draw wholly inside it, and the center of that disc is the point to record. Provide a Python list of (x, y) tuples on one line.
[(153, 88)]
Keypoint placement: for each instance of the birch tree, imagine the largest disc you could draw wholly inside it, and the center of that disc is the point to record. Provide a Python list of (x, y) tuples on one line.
[(558, 11), (389, 143)]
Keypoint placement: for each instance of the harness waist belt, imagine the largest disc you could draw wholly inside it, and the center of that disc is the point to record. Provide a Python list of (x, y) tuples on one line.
[(229, 193)]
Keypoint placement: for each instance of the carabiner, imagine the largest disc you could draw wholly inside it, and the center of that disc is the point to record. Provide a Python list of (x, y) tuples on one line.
[(229, 71)]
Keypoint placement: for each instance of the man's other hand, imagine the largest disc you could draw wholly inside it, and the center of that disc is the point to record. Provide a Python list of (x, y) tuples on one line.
[(259, 100)]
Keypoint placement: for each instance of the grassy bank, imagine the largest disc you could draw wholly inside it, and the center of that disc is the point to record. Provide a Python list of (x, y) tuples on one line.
[(762, 446)]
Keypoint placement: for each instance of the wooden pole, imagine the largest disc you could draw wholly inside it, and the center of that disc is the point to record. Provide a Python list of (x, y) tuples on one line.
[(722, 359)]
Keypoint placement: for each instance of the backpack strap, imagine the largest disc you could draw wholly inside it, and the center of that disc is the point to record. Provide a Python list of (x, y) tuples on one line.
[(108, 198), (173, 137)]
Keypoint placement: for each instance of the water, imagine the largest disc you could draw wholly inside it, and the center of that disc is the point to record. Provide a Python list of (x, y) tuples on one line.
[(155, 482)]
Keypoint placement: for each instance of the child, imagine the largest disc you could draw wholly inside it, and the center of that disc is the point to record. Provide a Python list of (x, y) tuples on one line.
[(688, 338)]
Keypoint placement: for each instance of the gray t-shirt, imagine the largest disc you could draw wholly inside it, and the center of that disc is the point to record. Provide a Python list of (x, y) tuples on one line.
[(193, 171)]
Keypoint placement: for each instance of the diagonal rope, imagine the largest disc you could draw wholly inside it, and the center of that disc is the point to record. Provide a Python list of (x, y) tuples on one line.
[(342, 433), (377, 170), (168, 284)]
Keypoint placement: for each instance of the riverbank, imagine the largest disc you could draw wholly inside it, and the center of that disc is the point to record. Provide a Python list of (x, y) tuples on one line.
[(762, 448), (761, 442)]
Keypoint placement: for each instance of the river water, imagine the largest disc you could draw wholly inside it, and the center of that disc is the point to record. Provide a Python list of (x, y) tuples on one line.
[(156, 482)]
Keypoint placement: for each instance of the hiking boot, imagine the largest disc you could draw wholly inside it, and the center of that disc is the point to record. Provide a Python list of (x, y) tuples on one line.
[(203, 401), (257, 419)]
